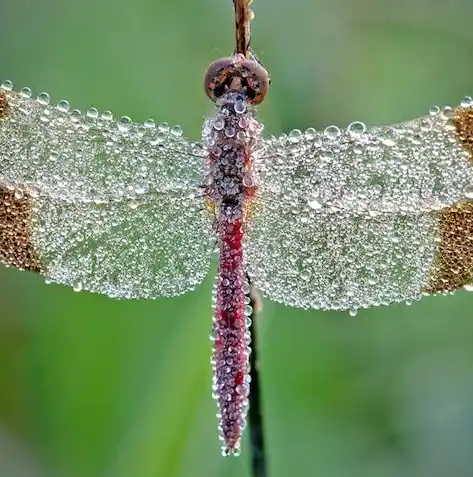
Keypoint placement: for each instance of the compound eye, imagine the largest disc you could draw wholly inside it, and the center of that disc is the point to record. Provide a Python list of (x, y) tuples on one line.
[(216, 77), (237, 74), (257, 81)]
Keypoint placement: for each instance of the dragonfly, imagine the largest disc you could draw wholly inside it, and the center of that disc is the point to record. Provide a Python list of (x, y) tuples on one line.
[(339, 219)]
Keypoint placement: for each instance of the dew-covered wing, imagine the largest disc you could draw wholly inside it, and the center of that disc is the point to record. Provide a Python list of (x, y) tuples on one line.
[(107, 206), (358, 218)]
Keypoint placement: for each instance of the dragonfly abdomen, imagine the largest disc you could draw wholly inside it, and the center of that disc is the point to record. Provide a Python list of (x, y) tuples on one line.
[(231, 337)]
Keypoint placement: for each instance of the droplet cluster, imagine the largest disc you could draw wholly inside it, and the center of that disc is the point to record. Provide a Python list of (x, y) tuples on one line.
[(350, 218), (116, 206)]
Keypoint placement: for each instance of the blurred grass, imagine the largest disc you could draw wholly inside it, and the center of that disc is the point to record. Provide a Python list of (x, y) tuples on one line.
[(91, 387)]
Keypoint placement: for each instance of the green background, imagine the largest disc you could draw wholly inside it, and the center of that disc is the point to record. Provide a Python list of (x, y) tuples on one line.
[(91, 387)]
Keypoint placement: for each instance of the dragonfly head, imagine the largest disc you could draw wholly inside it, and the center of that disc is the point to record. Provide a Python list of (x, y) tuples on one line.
[(237, 74)]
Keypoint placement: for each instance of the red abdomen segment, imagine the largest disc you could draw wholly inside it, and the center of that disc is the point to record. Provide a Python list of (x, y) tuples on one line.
[(230, 332)]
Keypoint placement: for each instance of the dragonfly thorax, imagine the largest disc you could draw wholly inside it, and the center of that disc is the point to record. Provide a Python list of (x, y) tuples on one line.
[(230, 138), (234, 126), (237, 74)]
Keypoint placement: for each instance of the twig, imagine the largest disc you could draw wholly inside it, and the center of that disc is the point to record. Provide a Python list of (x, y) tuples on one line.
[(243, 16), (255, 414)]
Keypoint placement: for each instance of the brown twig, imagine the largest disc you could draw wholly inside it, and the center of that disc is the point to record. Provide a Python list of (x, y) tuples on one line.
[(243, 16)]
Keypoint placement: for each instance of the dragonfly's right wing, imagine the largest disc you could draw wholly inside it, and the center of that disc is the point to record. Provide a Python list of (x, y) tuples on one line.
[(358, 218), (101, 205)]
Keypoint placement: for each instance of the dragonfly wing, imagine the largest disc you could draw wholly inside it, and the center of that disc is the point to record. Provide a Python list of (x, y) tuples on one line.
[(358, 218), (100, 205)]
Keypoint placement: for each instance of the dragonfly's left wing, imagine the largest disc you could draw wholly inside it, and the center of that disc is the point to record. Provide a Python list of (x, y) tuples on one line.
[(98, 204), (355, 218)]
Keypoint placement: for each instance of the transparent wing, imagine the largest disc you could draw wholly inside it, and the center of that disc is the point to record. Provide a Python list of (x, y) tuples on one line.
[(349, 219), (90, 157), (161, 247), (106, 206)]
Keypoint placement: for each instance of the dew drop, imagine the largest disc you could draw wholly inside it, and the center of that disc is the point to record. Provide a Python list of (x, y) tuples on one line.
[(240, 106), (149, 123), (43, 98), (332, 132), (141, 189), (248, 180), (163, 127), (466, 102), (310, 134), (176, 131), (305, 276), (248, 311), (230, 131), (314, 203), (63, 106), (26, 92), (106, 116), (388, 141), (468, 191), (295, 136), (124, 124), (34, 191), (7, 85), (447, 112), (243, 389), (77, 287), (356, 129), (92, 113), (76, 115), (243, 122), (219, 124)]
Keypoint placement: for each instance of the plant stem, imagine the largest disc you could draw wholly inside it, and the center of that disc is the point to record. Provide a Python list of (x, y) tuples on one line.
[(255, 414)]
